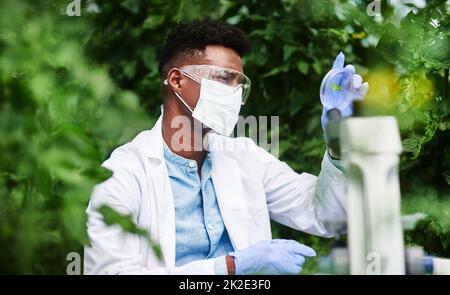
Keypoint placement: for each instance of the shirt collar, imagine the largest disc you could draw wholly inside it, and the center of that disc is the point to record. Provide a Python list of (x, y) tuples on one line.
[(155, 147)]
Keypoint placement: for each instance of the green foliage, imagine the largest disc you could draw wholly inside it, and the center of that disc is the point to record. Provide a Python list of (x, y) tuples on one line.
[(60, 117), (68, 84), (433, 233)]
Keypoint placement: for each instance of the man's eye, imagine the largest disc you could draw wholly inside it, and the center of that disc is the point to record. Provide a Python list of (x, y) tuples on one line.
[(226, 78)]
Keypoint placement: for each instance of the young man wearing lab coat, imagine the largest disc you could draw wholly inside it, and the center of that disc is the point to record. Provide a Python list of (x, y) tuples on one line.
[(209, 208)]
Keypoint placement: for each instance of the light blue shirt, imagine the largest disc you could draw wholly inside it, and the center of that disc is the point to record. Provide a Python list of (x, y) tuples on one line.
[(200, 231)]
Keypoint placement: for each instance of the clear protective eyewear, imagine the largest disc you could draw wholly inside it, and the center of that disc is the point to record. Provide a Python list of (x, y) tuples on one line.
[(229, 77)]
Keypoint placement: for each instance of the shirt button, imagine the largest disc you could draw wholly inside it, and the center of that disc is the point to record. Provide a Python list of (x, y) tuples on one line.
[(192, 164), (209, 226)]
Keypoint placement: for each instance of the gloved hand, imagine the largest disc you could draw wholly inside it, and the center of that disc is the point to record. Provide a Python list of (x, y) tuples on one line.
[(272, 257), (343, 84)]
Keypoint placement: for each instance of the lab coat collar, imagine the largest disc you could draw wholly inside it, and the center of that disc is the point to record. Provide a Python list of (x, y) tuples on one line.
[(154, 145)]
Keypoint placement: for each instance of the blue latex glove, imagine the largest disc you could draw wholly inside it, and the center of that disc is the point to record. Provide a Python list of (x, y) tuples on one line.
[(345, 83), (272, 257)]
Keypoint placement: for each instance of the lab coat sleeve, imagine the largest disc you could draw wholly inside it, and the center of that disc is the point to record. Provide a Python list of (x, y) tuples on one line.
[(112, 251), (303, 201)]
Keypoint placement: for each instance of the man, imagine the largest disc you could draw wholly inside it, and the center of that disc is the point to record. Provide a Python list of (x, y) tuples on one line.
[(208, 208)]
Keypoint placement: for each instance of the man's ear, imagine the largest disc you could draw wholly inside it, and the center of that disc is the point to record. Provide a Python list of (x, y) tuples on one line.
[(173, 80)]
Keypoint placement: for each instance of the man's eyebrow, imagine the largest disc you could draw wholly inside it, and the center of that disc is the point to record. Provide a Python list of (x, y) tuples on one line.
[(229, 66)]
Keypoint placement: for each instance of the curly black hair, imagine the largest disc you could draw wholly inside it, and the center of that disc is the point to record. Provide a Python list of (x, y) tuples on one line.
[(190, 39)]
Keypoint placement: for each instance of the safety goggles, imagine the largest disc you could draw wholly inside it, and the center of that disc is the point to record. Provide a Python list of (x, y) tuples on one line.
[(229, 77)]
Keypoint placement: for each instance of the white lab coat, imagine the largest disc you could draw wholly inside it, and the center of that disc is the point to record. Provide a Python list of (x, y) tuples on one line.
[(252, 187)]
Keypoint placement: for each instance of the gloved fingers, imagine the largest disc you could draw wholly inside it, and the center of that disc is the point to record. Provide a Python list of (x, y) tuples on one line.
[(339, 61), (347, 112), (280, 241), (302, 250), (350, 68), (362, 91), (346, 82), (357, 81), (291, 245), (343, 78), (292, 269), (299, 259), (285, 243)]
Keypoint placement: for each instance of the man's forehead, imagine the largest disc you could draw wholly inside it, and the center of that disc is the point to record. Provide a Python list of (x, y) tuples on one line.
[(223, 57)]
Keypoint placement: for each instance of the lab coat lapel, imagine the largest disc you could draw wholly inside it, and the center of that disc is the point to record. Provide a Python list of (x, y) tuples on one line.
[(227, 182), (166, 214), (163, 194)]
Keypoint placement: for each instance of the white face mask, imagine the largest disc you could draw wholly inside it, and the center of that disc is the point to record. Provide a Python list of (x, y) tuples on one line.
[(218, 106)]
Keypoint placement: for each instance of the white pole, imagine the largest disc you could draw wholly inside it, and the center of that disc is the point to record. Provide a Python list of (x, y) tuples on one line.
[(370, 148)]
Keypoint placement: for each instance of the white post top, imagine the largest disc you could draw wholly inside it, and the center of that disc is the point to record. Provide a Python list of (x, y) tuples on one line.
[(378, 134)]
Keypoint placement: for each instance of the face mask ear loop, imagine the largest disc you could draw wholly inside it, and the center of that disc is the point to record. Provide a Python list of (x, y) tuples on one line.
[(179, 97), (182, 100)]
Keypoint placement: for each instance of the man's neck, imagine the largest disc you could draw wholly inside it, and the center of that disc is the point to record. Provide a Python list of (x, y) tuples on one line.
[(184, 139)]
